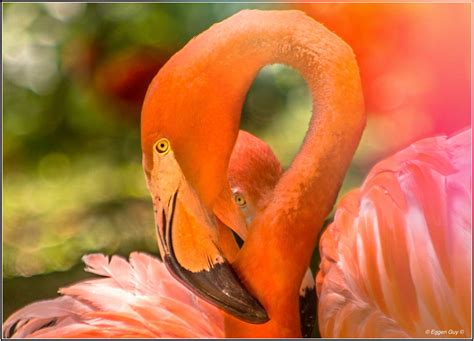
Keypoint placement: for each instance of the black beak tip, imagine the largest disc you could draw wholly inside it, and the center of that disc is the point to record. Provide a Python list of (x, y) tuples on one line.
[(220, 287), (242, 305), (257, 315)]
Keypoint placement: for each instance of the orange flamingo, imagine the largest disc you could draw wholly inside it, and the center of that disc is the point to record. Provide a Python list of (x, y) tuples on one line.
[(187, 182), (185, 179)]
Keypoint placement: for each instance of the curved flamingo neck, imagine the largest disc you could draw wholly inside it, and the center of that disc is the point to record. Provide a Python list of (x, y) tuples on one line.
[(220, 65), (278, 249)]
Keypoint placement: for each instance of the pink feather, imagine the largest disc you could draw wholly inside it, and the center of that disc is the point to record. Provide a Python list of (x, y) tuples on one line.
[(134, 299), (395, 262)]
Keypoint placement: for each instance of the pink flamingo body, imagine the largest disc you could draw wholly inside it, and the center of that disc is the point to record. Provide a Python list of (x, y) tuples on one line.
[(396, 259)]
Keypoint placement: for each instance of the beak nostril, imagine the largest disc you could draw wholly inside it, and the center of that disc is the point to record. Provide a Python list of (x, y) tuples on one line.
[(237, 239)]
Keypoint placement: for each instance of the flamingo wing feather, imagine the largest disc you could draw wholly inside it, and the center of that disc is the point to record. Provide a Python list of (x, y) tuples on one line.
[(396, 259), (134, 299)]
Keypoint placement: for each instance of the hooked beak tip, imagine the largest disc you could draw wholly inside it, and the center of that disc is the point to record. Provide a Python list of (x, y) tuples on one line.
[(220, 287)]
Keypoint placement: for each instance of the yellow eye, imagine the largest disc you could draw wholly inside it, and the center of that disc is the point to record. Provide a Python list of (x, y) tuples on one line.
[(162, 146), (239, 199)]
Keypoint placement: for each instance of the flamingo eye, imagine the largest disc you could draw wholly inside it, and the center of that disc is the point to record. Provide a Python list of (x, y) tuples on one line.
[(162, 146), (239, 200)]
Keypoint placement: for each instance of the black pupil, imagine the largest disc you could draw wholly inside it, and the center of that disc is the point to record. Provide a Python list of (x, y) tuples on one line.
[(162, 146)]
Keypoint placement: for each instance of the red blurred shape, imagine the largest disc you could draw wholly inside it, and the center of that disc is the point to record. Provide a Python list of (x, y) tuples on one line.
[(126, 75), (414, 61)]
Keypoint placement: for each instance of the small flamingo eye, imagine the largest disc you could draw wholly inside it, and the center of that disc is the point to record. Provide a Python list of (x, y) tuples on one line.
[(162, 146), (239, 200)]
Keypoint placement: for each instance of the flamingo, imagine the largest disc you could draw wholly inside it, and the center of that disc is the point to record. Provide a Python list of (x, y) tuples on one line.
[(260, 289), (192, 197)]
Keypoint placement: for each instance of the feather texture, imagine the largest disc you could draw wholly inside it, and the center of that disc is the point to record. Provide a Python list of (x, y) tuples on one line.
[(396, 260), (133, 299)]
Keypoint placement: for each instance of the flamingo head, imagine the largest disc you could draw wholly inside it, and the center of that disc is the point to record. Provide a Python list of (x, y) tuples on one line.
[(187, 239), (254, 171)]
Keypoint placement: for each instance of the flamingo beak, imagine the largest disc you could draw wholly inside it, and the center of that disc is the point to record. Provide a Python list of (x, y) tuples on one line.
[(187, 238)]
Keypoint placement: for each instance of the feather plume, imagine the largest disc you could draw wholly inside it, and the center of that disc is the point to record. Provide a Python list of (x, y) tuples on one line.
[(133, 299)]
